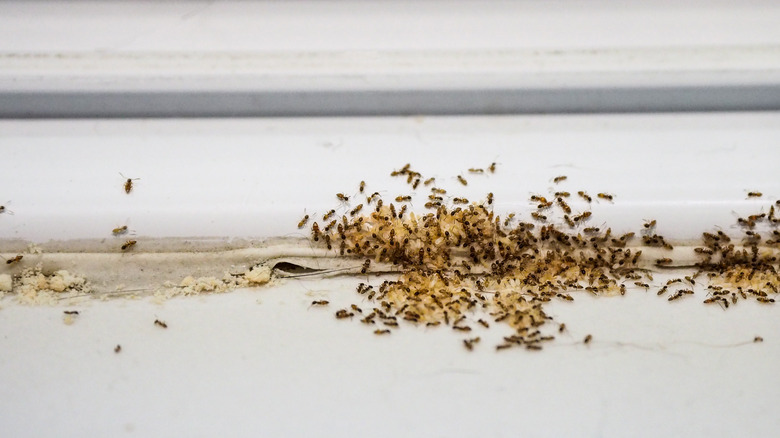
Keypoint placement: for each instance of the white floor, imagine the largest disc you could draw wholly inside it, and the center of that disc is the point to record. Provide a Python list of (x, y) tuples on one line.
[(262, 362)]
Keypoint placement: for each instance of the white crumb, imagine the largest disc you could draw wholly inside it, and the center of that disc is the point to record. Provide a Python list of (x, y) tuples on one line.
[(6, 283), (202, 284), (190, 285), (35, 287), (62, 280), (258, 275)]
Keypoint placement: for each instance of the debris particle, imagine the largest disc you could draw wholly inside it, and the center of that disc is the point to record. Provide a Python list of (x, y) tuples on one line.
[(6, 283), (33, 286), (258, 275)]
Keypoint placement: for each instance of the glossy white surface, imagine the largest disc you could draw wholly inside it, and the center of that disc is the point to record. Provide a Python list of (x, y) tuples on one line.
[(320, 58), (263, 362), (382, 25), (257, 177)]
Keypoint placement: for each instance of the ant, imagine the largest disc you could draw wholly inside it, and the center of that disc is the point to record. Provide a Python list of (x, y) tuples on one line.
[(128, 185)]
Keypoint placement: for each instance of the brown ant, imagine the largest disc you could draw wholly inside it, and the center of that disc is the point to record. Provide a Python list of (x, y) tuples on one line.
[(128, 185), (315, 231), (342, 314), (469, 343), (606, 196), (356, 210), (16, 259)]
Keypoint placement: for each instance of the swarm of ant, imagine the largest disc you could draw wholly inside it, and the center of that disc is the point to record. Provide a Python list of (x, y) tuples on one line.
[(460, 264)]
